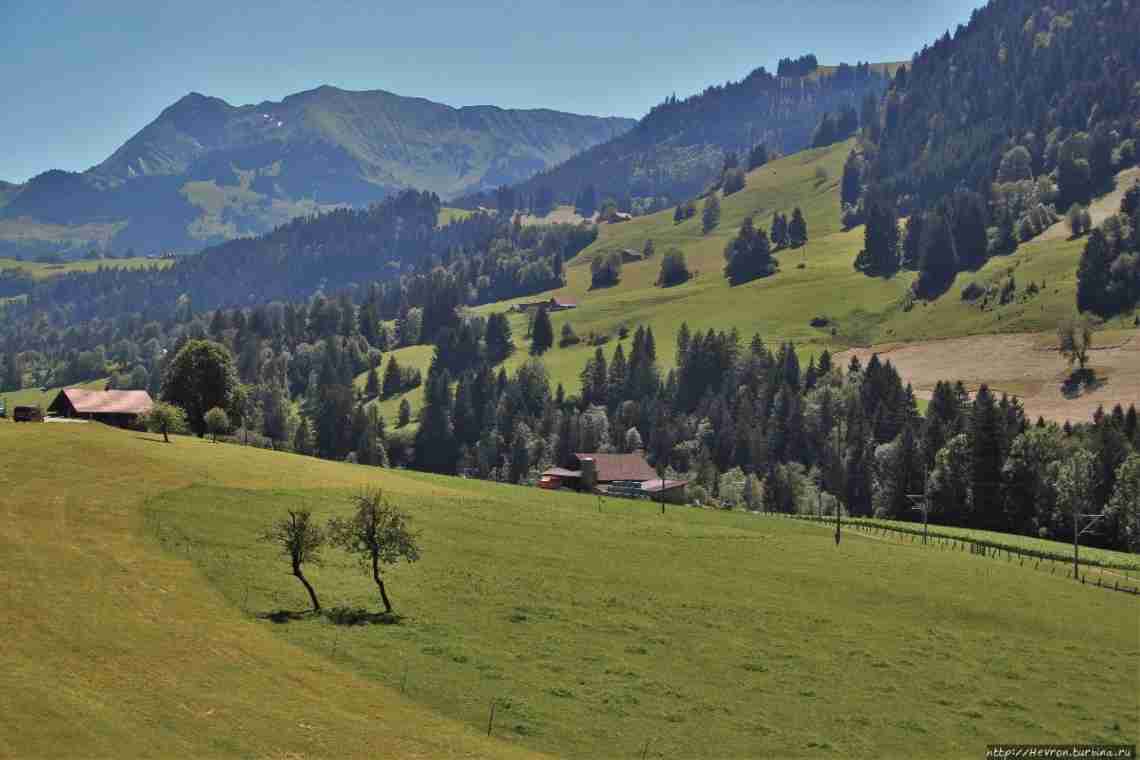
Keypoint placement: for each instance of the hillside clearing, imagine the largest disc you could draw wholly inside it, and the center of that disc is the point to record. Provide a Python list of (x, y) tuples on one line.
[(1026, 365)]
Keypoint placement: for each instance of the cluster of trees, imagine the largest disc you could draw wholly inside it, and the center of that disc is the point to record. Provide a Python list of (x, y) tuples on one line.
[(937, 243), (605, 269), (377, 533), (674, 269), (836, 127), (1108, 276), (1024, 111), (750, 426), (748, 255)]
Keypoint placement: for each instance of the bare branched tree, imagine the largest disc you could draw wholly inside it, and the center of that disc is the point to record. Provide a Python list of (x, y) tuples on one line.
[(378, 534), (301, 540)]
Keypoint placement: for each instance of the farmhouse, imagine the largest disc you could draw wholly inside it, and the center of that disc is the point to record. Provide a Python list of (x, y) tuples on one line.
[(119, 408), (551, 304), (615, 474)]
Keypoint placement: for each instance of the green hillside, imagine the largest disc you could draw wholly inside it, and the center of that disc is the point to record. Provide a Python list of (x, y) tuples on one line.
[(598, 629), (861, 310)]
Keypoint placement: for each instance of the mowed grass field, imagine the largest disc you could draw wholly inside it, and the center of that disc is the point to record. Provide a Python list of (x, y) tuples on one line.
[(140, 623), (863, 311)]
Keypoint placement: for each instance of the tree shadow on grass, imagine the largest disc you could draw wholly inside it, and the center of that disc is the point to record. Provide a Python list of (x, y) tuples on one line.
[(361, 616), (1080, 382), (349, 616), (149, 439), (286, 616)]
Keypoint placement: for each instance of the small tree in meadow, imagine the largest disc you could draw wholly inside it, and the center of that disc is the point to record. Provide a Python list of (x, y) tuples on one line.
[(165, 418), (378, 534), (1075, 341), (405, 414), (217, 421), (301, 540)]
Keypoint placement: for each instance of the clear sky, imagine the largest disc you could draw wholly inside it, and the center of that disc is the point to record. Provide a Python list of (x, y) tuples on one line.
[(78, 78)]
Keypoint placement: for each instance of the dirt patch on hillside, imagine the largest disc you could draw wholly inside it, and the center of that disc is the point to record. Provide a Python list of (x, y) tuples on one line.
[(1028, 366), (1100, 209)]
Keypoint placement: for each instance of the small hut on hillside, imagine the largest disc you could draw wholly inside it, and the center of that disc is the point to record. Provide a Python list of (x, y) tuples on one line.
[(118, 408)]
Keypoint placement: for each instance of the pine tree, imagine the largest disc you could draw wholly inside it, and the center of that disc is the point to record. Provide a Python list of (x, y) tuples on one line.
[(1093, 275), (372, 385), (939, 262), (779, 230), (542, 335), (436, 449), (710, 216), (392, 381), (497, 338), (985, 462), (851, 185), (797, 229), (405, 413)]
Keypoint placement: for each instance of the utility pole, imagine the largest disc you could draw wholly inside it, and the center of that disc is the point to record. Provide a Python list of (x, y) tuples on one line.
[(1078, 532), (839, 484), (921, 505), (661, 483)]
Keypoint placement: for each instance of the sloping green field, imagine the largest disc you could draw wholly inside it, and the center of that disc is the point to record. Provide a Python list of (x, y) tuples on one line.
[(139, 603)]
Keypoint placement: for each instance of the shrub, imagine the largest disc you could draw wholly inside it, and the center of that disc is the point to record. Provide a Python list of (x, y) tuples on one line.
[(568, 337), (605, 270), (972, 292)]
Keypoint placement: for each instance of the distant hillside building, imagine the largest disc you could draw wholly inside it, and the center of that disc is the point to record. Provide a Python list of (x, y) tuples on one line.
[(614, 474), (551, 304), (118, 408)]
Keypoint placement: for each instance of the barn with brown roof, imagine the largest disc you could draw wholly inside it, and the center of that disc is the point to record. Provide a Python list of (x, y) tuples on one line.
[(119, 408), (616, 474)]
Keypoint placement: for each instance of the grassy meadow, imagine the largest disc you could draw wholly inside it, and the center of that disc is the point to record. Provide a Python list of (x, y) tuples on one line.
[(147, 606)]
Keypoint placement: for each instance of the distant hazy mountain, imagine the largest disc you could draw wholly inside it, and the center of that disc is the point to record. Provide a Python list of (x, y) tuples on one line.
[(205, 171)]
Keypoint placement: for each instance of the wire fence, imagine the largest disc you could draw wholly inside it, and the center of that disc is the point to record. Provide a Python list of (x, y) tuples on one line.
[(1056, 563)]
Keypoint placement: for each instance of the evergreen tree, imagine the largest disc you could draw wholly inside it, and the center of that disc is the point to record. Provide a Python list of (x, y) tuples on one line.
[(710, 216), (939, 262), (880, 254), (985, 462), (779, 230), (797, 229), (405, 413), (436, 449), (542, 335), (1093, 275), (851, 185), (497, 338), (393, 382), (372, 384)]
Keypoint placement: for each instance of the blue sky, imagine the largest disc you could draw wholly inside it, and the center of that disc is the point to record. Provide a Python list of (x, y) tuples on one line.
[(79, 78)]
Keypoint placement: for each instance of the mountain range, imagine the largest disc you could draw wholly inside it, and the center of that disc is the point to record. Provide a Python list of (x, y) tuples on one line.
[(205, 171)]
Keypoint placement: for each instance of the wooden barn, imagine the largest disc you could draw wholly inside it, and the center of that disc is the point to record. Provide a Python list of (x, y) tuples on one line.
[(118, 408), (615, 474)]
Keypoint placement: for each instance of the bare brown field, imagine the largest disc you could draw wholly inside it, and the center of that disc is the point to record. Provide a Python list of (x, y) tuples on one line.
[(1026, 365)]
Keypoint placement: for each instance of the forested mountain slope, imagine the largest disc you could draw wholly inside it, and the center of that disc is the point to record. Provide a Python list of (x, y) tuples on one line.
[(680, 146)]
